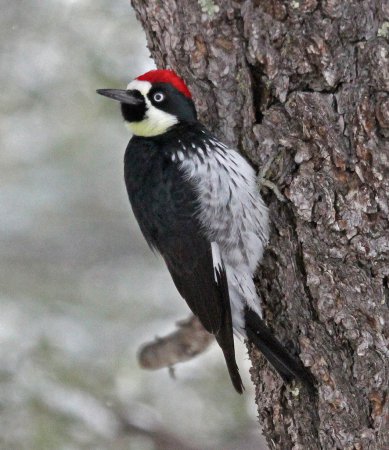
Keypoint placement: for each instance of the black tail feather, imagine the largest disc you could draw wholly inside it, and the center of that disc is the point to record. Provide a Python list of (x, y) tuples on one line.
[(233, 371), (285, 364)]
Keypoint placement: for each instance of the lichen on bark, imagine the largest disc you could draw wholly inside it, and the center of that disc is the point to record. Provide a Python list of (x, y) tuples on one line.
[(305, 84)]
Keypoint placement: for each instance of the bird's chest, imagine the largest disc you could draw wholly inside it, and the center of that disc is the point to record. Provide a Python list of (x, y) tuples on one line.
[(162, 200), (148, 188), (151, 189)]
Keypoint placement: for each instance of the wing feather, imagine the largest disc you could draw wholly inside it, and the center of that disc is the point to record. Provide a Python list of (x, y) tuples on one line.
[(165, 204)]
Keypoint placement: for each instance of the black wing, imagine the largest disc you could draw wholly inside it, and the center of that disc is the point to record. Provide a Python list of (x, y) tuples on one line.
[(205, 289), (165, 204)]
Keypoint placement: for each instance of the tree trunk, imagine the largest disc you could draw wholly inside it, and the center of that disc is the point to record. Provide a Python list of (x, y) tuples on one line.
[(304, 85)]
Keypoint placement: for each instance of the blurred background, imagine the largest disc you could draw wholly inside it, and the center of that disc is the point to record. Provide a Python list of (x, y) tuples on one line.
[(79, 289)]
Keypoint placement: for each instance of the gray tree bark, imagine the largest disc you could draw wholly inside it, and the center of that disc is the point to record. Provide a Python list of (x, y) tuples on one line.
[(301, 87)]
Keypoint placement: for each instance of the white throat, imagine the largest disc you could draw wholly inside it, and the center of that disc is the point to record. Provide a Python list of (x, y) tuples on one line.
[(156, 121)]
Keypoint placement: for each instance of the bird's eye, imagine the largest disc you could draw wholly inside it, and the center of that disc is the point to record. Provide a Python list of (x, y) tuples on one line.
[(158, 97)]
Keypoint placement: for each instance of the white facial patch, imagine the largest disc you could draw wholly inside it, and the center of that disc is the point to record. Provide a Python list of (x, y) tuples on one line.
[(142, 86), (156, 121)]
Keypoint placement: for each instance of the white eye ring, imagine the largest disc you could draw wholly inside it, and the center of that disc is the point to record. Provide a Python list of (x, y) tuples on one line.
[(158, 97)]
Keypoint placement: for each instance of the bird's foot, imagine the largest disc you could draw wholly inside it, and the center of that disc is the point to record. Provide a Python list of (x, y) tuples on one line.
[(263, 181)]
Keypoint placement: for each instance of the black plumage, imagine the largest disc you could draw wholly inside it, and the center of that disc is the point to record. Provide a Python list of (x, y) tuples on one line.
[(165, 203), (287, 366), (180, 210)]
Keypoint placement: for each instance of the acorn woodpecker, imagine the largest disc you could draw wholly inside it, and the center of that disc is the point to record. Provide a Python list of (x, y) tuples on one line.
[(197, 203)]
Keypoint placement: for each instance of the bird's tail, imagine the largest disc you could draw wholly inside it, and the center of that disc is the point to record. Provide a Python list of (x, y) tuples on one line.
[(285, 364)]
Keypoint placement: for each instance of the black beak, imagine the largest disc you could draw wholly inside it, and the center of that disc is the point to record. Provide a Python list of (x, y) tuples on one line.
[(122, 96)]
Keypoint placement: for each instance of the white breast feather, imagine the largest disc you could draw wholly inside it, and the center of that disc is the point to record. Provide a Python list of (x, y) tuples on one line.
[(234, 217)]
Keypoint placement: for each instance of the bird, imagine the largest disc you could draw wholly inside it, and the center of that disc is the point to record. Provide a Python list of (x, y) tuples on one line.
[(198, 204)]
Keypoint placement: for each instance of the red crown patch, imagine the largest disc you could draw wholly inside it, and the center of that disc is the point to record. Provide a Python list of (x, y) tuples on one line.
[(166, 76)]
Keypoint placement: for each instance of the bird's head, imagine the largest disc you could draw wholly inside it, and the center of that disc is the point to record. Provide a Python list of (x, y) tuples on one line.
[(154, 102)]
